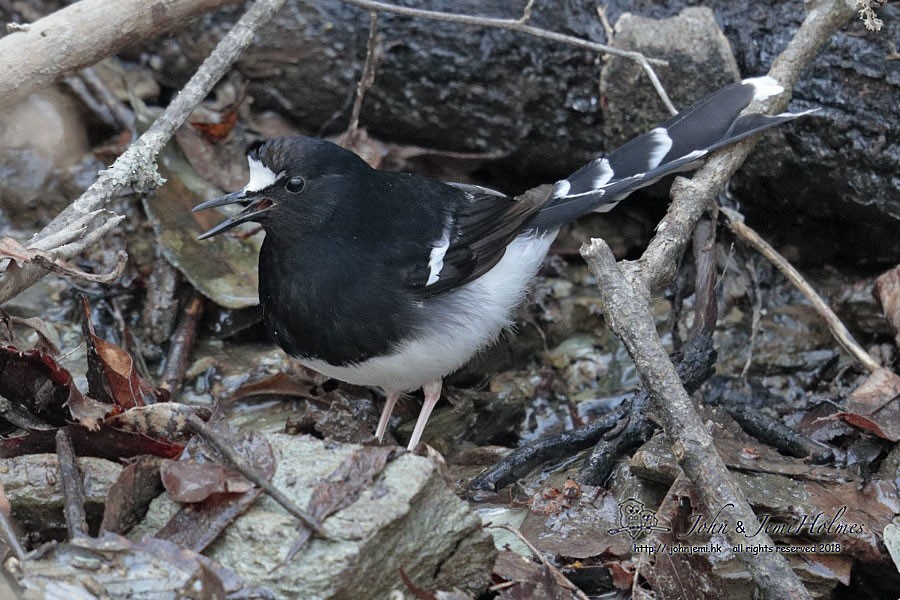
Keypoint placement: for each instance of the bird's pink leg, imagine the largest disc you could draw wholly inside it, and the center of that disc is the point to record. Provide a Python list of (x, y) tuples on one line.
[(432, 395), (389, 402)]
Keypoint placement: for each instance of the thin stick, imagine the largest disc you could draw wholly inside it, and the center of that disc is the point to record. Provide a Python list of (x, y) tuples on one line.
[(735, 222), (72, 485), (239, 464), (367, 78), (183, 340)]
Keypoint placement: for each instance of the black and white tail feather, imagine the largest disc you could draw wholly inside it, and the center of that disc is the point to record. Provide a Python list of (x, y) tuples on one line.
[(679, 144)]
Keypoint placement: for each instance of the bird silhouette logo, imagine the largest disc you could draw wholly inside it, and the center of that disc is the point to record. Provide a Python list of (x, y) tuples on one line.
[(636, 520)]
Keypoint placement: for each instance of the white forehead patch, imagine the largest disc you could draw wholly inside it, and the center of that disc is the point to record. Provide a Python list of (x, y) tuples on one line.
[(261, 176)]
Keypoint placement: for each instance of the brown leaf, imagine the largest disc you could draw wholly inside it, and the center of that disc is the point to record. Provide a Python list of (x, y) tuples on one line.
[(343, 486), (112, 376), (533, 581), (195, 526), (46, 337), (129, 497), (887, 291), (352, 477), (280, 384), (190, 481), (37, 390), (875, 405), (622, 578), (107, 442), (217, 132)]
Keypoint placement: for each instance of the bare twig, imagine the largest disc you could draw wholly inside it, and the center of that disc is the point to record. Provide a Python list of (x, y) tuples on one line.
[(526, 12), (367, 78), (9, 248), (239, 464), (735, 221), (607, 26), (648, 68), (122, 115), (628, 315), (755, 318), (182, 344), (624, 298), (72, 485), (520, 25), (136, 167)]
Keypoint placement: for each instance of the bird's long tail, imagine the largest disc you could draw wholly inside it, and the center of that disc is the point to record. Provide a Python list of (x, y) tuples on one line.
[(679, 144)]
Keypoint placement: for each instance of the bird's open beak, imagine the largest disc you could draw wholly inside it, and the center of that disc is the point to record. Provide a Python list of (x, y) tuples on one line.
[(253, 207)]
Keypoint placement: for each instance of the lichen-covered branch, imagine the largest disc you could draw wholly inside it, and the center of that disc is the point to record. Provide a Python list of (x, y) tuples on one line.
[(136, 167), (625, 292)]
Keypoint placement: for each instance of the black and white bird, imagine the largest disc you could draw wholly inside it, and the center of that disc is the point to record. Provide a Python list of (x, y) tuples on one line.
[(388, 279)]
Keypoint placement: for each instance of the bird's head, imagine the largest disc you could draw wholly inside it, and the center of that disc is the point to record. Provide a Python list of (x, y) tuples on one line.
[(284, 173)]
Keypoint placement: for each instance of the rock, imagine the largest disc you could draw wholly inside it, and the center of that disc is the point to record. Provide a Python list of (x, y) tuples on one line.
[(410, 519), (43, 156), (700, 61), (31, 483)]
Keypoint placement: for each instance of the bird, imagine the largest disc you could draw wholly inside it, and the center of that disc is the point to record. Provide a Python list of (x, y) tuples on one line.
[(392, 280)]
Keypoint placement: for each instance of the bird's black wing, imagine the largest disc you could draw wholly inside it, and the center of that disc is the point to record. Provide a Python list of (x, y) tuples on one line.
[(474, 237)]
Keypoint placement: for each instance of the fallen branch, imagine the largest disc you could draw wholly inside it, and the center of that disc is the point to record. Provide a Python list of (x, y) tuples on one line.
[(182, 345), (625, 291), (629, 316), (72, 485), (136, 167), (239, 464), (366, 78), (44, 52)]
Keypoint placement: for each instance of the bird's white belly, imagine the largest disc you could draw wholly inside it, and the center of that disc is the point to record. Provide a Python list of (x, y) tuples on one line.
[(459, 324)]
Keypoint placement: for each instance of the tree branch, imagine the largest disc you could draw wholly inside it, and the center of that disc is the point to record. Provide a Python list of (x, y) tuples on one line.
[(690, 197), (136, 167), (33, 57), (624, 298)]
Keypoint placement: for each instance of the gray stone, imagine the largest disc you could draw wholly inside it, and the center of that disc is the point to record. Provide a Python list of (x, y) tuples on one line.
[(409, 518)]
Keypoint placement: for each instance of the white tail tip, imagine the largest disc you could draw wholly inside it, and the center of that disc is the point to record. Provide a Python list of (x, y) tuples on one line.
[(764, 87)]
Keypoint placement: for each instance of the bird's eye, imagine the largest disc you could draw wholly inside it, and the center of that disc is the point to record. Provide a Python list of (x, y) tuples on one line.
[(295, 184)]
